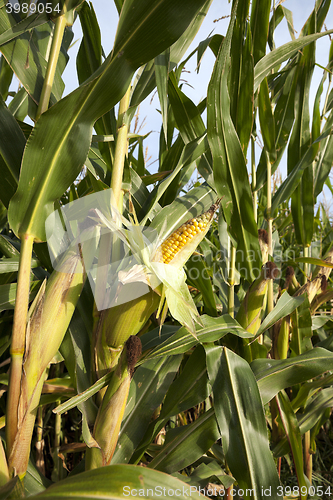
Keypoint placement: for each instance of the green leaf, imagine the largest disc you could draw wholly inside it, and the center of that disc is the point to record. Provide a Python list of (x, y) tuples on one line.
[(273, 375), (294, 437), (283, 121), (284, 306), (281, 54), (9, 488), (6, 76), (322, 167), (116, 481), (292, 181), (10, 157), (302, 201), (191, 152), (76, 351), (186, 113), (59, 145), (8, 295), (34, 481), (241, 75), (266, 118), (213, 329), (89, 57), (259, 27), (162, 65), (12, 264), (310, 417), (314, 261), (198, 276), (230, 173), (27, 56), (184, 445), (189, 389), (242, 423), (246, 97), (301, 328), (14, 30), (315, 409)]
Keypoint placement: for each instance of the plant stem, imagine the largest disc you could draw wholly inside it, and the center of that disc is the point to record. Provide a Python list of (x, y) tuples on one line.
[(231, 281), (270, 302), (18, 340), (306, 265), (307, 457), (254, 180), (307, 436), (121, 149), (44, 100)]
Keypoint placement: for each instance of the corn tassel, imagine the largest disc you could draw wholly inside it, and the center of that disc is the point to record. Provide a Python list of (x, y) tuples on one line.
[(46, 328)]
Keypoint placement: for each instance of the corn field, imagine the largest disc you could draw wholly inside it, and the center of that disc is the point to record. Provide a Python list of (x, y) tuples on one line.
[(165, 331)]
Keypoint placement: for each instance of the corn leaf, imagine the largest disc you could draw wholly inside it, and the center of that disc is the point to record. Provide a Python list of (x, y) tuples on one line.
[(115, 481), (189, 389), (294, 437), (10, 158), (273, 375), (240, 416), (185, 445), (213, 329), (285, 306), (241, 76), (162, 65), (259, 27), (281, 54), (230, 173)]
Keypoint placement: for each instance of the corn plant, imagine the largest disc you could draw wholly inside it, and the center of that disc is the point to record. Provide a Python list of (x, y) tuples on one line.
[(162, 336)]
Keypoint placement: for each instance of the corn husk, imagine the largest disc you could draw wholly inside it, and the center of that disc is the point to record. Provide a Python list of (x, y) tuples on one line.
[(114, 326), (49, 318), (252, 309), (111, 410)]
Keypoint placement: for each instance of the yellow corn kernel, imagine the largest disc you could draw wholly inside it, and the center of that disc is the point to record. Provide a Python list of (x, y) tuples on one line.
[(184, 234)]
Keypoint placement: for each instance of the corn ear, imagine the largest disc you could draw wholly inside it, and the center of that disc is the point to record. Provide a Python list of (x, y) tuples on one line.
[(282, 343), (49, 319), (252, 308), (319, 280), (250, 312), (179, 246), (114, 326), (111, 411)]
